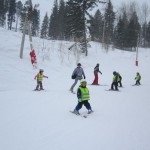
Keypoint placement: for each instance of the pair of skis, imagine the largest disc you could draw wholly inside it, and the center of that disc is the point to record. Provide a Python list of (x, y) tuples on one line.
[(82, 115)]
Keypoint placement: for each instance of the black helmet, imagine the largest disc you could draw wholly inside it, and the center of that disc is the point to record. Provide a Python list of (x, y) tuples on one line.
[(41, 70), (78, 64), (114, 73)]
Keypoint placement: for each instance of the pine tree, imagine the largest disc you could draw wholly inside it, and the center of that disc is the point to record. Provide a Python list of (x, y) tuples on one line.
[(109, 18), (44, 28), (53, 24), (77, 11), (35, 22), (11, 13), (96, 27), (148, 34), (3, 10), (19, 8), (61, 19), (120, 39), (133, 31)]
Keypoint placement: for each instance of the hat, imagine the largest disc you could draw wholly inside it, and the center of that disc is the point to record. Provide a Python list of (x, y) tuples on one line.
[(41, 70), (114, 73), (83, 81), (78, 64)]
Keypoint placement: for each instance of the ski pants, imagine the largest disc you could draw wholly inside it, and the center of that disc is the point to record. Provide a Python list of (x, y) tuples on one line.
[(114, 84), (137, 82), (119, 83), (85, 103), (39, 84), (95, 82), (75, 82)]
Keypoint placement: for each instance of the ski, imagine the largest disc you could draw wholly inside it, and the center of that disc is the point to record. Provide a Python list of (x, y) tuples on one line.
[(39, 90), (81, 115), (136, 85), (72, 92), (112, 90), (98, 84)]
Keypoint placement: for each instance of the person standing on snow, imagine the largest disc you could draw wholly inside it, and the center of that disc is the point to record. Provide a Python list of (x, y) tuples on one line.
[(77, 75), (138, 78), (33, 58), (96, 71), (83, 98), (119, 79), (115, 81), (39, 78)]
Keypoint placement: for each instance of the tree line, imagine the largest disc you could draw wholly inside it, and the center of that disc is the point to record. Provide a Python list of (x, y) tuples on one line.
[(72, 20)]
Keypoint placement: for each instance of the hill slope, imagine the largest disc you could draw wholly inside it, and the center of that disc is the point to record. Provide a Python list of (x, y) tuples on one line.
[(42, 121)]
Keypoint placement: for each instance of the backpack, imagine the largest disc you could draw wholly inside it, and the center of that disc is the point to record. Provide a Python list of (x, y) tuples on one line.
[(73, 76)]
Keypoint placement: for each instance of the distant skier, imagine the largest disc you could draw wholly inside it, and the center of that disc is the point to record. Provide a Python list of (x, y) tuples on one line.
[(39, 78), (77, 74), (138, 78), (83, 98), (115, 81), (119, 79), (96, 71), (33, 58)]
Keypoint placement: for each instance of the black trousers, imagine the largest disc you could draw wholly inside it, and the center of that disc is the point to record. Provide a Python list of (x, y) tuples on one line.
[(114, 84), (119, 83), (85, 103), (137, 82), (39, 84)]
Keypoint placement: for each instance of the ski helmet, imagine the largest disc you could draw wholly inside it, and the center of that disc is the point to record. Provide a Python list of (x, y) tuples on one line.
[(41, 70), (83, 81)]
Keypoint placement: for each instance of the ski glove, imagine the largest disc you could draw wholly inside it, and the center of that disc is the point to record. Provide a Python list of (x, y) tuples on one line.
[(79, 100), (84, 77)]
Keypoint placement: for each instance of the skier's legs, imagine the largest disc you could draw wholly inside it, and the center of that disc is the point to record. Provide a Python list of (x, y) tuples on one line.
[(112, 86), (41, 85), (79, 106), (75, 82), (87, 105), (95, 78), (38, 84), (116, 86)]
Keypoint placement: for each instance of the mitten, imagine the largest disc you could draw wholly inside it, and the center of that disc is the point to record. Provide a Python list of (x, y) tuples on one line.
[(79, 99)]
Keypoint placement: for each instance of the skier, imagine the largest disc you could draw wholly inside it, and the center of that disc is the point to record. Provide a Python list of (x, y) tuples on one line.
[(77, 75), (114, 82), (33, 58), (119, 79), (138, 78), (39, 78), (83, 98), (96, 71)]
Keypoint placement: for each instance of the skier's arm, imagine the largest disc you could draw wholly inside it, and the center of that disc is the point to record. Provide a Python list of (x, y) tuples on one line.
[(79, 95), (35, 76), (45, 76)]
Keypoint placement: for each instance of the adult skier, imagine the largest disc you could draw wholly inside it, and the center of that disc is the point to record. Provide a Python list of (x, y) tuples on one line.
[(39, 78), (96, 71), (77, 74)]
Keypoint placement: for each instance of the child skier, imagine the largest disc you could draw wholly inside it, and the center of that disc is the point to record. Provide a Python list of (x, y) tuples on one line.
[(115, 81), (138, 78), (39, 78), (83, 98), (119, 79)]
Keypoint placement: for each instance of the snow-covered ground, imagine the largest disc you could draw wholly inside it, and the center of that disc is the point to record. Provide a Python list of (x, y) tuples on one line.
[(32, 120)]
